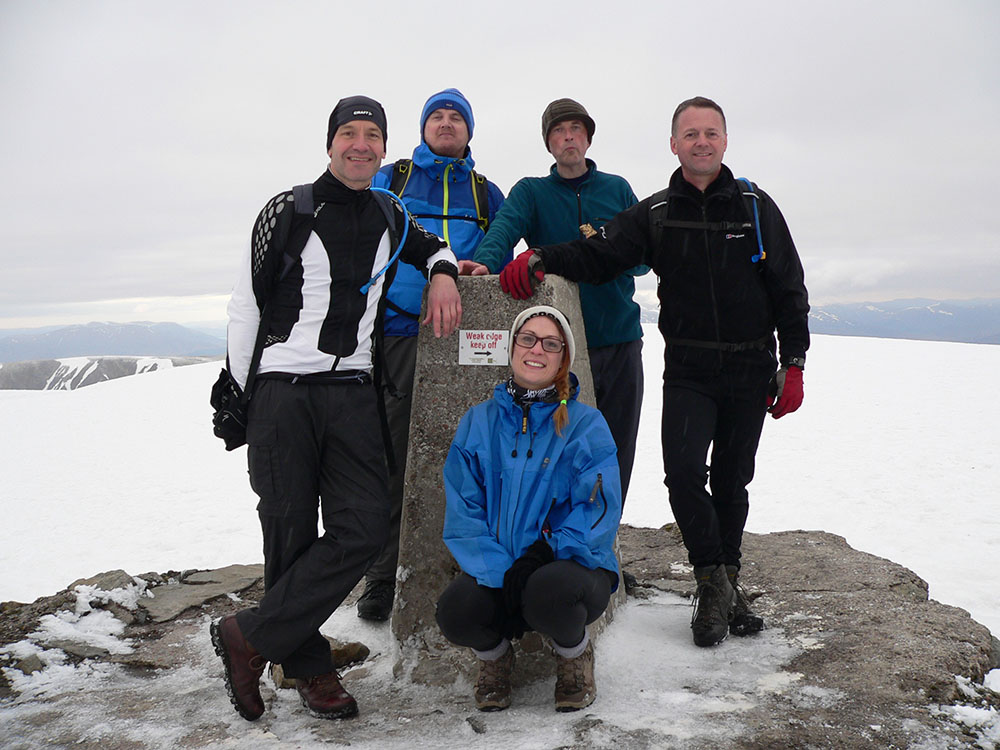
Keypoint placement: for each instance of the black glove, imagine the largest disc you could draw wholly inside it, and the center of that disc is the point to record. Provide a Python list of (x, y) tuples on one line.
[(513, 626), (537, 555), (230, 418)]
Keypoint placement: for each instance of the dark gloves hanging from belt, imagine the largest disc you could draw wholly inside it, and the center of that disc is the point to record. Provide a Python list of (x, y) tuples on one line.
[(537, 555)]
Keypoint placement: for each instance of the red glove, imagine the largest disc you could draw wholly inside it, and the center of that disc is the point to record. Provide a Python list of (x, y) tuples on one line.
[(786, 391), (519, 277)]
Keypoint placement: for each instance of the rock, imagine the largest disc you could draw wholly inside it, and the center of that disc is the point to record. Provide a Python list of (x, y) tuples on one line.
[(872, 635), (78, 649), (29, 664), (169, 600), (108, 581)]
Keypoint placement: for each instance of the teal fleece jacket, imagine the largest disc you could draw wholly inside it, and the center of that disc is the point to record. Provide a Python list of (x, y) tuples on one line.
[(550, 210)]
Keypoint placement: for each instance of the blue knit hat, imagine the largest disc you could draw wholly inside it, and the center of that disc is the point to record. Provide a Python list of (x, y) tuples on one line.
[(448, 99)]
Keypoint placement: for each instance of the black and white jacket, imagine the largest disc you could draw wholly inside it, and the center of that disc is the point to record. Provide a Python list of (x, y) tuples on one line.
[(320, 321)]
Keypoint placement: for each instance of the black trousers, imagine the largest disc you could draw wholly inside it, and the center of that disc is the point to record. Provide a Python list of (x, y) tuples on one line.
[(725, 412), (400, 363), (559, 600), (618, 385), (312, 448)]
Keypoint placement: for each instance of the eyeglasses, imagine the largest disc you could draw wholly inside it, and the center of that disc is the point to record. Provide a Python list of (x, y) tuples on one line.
[(549, 344)]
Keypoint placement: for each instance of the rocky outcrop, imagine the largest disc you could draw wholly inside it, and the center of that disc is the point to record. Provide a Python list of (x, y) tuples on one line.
[(873, 662), (870, 637)]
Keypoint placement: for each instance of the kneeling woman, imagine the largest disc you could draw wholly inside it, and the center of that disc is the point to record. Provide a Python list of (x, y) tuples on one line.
[(533, 505)]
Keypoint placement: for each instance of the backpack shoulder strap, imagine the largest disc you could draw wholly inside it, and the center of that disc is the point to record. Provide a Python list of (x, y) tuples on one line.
[(481, 197), (401, 172), (388, 206), (303, 197), (657, 216), (750, 200)]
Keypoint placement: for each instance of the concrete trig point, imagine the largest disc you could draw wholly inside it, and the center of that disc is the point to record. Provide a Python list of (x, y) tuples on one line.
[(452, 375)]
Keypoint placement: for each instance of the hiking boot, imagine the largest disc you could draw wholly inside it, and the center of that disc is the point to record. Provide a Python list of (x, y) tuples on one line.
[(243, 667), (575, 687), (376, 601), (715, 603), (630, 583), (744, 621), (492, 691), (325, 697)]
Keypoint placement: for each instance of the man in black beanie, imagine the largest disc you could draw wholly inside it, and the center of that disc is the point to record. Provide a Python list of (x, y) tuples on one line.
[(313, 431)]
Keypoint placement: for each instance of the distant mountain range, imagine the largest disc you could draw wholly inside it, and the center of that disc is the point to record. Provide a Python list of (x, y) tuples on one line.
[(78, 355), (102, 339), (968, 321), (76, 372)]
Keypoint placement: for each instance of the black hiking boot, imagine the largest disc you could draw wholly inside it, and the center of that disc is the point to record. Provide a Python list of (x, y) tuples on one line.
[(376, 601), (715, 604), (744, 621)]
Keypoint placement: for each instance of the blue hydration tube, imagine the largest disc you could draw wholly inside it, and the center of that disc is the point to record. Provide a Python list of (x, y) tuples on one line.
[(756, 220), (402, 240)]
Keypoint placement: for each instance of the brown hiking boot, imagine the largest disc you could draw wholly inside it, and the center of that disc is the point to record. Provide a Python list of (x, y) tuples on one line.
[(325, 697), (715, 604), (492, 691), (243, 667), (575, 687)]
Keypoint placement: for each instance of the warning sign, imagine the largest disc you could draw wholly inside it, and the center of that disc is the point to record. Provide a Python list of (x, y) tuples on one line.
[(482, 347)]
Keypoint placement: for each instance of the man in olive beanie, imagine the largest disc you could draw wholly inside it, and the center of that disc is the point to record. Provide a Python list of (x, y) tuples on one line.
[(565, 109), (573, 202)]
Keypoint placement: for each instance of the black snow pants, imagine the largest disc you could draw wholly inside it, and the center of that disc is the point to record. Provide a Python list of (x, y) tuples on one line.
[(724, 412), (312, 447)]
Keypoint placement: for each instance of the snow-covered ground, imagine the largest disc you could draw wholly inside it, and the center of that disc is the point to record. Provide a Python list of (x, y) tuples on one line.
[(896, 448)]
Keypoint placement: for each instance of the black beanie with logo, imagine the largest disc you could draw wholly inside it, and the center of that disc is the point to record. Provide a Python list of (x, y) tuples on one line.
[(353, 108)]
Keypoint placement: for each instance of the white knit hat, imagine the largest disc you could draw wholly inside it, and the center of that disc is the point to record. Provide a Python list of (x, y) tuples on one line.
[(551, 312)]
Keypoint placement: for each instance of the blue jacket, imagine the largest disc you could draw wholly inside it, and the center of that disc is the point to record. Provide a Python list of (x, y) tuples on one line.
[(549, 210), (504, 487), (440, 186)]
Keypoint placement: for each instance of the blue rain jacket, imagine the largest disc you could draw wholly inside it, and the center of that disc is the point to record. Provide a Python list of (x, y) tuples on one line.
[(439, 186), (508, 484)]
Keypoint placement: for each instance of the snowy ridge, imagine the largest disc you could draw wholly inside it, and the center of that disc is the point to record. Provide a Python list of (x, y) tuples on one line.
[(70, 373)]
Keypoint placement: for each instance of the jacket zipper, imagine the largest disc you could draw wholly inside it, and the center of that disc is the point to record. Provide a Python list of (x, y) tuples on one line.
[(598, 486), (444, 210), (711, 277)]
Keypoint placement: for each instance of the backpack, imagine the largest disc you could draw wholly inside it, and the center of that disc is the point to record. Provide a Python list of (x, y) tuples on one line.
[(402, 171), (658, 222), (229, 402), (658, 202)]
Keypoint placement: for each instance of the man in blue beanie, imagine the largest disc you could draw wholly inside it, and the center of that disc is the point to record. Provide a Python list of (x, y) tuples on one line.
[(444, 193)]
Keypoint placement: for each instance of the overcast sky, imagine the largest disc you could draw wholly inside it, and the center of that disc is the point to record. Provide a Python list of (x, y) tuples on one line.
[(138, 141)]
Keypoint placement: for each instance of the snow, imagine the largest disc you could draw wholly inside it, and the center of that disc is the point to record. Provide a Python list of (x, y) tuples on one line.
[(895, 448)]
